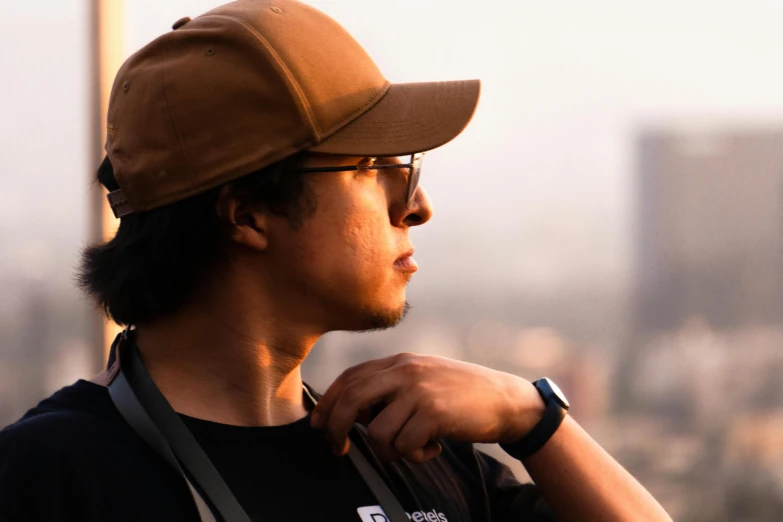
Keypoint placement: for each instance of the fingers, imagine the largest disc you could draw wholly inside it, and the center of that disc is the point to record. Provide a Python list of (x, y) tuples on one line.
[(400, 431), (386, 426), (431, 450), (326, 402), (353, 398), (416, 440), (405, 427)]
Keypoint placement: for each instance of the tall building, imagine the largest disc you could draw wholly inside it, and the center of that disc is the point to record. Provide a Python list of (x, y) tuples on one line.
[(709, 236)]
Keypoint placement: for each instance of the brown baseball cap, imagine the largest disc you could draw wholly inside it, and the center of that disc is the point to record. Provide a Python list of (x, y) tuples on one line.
[(252, 82)]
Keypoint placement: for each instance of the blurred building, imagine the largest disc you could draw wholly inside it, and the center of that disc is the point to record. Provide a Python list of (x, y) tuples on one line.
[(697, 388), (709, 239)]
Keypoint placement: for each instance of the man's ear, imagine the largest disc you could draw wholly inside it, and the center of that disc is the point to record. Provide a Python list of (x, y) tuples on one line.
[(247, 224)]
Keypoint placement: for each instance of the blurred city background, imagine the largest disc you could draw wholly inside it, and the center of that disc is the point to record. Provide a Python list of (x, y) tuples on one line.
[(612, 218)]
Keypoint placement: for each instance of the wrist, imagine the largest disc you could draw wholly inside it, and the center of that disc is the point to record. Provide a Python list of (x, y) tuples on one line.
[(556, 409), (526, 409)]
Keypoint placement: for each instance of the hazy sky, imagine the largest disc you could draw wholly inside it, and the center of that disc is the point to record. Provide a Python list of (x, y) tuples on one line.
[(539, 189)]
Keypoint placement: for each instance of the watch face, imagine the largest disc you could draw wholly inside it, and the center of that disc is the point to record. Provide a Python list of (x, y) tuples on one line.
[(558, 393)]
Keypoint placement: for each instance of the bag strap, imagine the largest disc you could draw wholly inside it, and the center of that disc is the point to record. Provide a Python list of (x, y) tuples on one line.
[(384, 496), (130, 408), (159, 425)]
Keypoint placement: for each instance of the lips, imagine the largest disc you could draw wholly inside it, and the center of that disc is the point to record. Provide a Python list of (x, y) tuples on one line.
[(406, 262)]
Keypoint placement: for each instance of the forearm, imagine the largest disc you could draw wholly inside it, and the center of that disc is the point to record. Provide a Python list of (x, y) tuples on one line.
[(581, 481)]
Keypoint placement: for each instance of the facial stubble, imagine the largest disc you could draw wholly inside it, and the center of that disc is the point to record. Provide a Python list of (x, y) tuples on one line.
[(383, 320)]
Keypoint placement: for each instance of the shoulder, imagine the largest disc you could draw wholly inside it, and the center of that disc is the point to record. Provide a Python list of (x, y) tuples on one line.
[(72, 419), (73, 457), (44, 433)]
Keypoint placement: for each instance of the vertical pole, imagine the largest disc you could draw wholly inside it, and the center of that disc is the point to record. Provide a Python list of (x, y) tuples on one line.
[(107, 54)]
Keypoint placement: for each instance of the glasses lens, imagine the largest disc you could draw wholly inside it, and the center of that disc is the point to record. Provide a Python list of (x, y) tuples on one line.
[(413, 180)]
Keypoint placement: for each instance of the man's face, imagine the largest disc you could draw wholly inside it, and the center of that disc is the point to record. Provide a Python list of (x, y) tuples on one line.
[(348, 263)]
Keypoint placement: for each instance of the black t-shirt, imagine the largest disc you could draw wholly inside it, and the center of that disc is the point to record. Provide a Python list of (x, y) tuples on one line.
[(73, 457)]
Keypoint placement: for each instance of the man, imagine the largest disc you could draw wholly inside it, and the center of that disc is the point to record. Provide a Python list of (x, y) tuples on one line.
[(266, 177)]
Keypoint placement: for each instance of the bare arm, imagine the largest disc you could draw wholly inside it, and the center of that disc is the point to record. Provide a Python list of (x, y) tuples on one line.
[(581, 481)]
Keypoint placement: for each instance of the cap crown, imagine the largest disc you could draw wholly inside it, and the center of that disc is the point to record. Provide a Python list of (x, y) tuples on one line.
[(232, 91)]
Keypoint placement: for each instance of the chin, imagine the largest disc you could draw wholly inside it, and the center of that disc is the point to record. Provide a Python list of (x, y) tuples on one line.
[(383, 319)]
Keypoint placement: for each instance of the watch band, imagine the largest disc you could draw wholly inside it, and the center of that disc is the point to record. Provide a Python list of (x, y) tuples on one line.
[(541, 432)]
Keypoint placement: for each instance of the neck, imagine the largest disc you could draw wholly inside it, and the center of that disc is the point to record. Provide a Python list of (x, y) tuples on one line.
[(218, 364)]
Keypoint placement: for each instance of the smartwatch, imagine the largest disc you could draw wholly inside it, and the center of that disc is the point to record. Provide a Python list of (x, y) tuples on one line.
[(556, 408)]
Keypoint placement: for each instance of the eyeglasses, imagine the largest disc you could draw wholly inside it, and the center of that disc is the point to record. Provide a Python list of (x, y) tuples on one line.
[(413, 177)]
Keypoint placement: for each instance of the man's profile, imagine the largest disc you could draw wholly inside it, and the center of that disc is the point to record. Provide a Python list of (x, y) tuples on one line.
[(266, 176)]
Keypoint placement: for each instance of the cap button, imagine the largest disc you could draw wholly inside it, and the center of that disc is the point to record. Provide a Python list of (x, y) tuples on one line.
[(179, 23)]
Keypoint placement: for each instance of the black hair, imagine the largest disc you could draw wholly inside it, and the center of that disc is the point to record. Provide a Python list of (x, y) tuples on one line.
[(158, 259)]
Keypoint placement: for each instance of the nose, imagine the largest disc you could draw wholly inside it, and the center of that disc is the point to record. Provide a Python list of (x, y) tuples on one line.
[(420, 209)]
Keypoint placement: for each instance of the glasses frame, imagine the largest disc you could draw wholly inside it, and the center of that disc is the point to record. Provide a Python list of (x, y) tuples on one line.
[(413, 178)]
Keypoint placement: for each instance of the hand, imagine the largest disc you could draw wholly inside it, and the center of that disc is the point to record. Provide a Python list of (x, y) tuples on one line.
[(427, 398)]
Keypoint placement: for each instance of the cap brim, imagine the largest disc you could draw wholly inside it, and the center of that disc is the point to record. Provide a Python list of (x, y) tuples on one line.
[(409, 118)]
